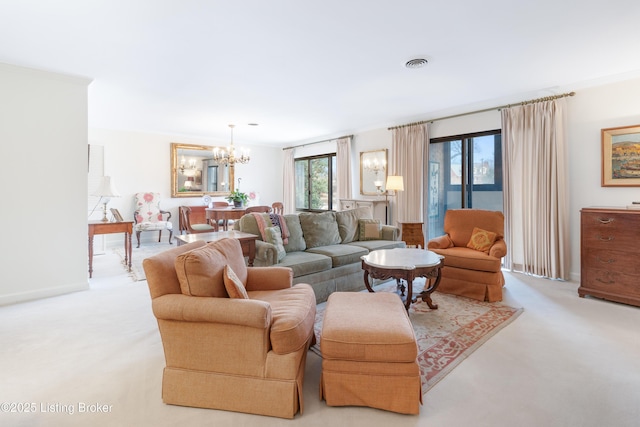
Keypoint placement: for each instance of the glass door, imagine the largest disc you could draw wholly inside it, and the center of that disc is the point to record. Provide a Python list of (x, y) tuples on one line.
[(464, 171)]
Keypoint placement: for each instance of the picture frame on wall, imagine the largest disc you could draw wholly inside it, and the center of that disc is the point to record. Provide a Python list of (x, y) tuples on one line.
[(621, 156)]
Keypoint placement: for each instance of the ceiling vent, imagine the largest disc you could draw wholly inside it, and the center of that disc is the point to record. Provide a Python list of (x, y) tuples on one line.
[(416, 63)]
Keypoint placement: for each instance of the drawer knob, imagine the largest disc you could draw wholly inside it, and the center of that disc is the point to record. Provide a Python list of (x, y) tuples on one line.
[(606, 239), (605, 220), (605, 261)]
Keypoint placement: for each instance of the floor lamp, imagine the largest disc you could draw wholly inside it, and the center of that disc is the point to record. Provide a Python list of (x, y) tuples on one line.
[(394, 183)]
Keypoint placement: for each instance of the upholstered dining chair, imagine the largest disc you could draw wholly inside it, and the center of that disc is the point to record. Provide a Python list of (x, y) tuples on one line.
[(149, 217), (259, 209), (278, 208), (185, 217)]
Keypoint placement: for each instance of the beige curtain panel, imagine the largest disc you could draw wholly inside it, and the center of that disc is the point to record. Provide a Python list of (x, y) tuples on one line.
[(343, 166), (535, 191), (410, 152)]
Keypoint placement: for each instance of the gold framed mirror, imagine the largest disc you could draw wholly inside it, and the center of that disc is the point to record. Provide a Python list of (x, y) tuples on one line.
[(373, 172), (194, 172)]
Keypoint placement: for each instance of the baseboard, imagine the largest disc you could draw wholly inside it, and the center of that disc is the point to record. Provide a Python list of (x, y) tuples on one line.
[(42, 293)]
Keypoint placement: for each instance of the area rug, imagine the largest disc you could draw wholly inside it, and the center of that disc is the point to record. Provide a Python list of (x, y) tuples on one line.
[(145, 250), (445, 336)]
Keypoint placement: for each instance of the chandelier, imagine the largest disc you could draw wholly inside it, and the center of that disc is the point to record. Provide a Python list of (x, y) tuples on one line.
[(230, 155)]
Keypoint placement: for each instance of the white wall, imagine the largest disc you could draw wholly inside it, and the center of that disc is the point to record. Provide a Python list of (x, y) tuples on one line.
[(138, 162), (43, 179)]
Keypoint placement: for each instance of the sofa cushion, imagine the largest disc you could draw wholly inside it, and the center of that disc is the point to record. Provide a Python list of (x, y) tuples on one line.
[(303, 263), (233, 285), (369, 229), (340, 254), (293, 314), (348, 222), (372, 245), (273, 235), (200, 271), (481, 240), (296, 237), (469, 259), (319, 229)]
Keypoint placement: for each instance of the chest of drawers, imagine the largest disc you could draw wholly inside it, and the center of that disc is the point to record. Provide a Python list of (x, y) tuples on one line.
[(610, 254)]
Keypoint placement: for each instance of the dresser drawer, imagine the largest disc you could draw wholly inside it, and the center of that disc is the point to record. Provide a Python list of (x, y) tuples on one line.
[(610, 281), (621, 261)]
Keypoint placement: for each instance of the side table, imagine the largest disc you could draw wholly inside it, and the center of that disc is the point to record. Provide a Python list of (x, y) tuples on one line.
[(412, 234), (103, 227)]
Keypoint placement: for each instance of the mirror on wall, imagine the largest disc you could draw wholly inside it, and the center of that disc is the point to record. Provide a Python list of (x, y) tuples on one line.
[(373, 172), (194, 172)]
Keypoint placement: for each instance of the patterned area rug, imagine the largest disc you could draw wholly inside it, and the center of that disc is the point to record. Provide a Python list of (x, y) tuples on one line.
[(445, 336), (145, 250)]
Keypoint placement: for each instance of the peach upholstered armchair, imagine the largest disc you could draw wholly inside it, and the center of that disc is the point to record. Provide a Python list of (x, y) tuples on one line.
[(234, 337), (473, 247)]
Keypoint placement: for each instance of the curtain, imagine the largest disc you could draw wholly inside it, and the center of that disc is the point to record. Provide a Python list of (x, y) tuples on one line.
[(343, 168), (535, 193), (289, 178), (410, 154)]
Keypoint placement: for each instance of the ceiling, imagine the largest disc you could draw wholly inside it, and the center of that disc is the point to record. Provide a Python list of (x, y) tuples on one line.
[(307, 71)]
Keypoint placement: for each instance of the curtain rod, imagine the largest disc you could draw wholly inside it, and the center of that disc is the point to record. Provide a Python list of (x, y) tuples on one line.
[(532, 101), (318, 142)]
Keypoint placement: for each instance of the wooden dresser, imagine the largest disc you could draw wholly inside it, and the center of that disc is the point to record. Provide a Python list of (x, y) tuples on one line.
[(609, 253), (412, 234)]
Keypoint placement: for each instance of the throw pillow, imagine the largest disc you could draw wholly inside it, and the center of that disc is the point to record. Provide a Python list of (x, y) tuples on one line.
[(320, 229), (233, 285), (481, 240), (348, 222), (200, 272), (370, 229), (273, 235)]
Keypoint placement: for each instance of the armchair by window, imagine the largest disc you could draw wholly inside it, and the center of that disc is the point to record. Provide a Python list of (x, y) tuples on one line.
[(235, 338), (149, 217), (473, 247)]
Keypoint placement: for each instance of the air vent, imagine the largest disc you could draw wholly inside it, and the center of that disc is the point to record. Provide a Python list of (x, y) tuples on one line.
[(416, 63)]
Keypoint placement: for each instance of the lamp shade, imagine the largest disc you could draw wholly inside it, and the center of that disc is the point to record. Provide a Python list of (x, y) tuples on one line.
[(106, 188), (395, 182)]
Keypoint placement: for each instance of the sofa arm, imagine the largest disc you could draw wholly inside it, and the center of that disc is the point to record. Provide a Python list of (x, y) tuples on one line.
[(390, 232), (185, 308), (441, 242), (266, 254), (269, 278), (499, 249)]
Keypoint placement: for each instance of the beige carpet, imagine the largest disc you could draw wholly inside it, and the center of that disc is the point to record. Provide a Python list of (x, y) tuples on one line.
[(445, 336), (145, 250)]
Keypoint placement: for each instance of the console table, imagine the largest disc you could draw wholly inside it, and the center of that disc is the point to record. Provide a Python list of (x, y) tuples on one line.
[(103, 227)]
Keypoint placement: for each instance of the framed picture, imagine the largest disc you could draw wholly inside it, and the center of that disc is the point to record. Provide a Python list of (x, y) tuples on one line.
[(621, 156), (116, 215)]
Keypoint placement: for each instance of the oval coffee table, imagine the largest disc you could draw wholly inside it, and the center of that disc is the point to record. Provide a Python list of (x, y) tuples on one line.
[(407, 264)]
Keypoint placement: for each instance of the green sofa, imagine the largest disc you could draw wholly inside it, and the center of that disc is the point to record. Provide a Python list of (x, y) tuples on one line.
[(323, 249)]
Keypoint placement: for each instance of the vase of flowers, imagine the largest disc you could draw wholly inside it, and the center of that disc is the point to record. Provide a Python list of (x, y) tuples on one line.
[(238, 198)]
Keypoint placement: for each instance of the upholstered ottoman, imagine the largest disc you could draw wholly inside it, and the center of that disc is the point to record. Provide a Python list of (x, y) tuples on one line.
[(369, 353)]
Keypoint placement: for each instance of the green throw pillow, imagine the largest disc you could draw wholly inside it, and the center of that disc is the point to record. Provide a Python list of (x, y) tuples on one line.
[(370, 229), (273, 235)]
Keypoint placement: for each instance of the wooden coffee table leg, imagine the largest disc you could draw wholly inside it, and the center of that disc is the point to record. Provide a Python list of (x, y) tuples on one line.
[(425, 295), (366, 280)]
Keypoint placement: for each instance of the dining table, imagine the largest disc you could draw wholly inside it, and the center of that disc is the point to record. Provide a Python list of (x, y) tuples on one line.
[(214, 215)]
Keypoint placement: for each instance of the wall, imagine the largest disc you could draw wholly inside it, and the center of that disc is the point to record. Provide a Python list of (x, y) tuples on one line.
[(43, 145), (139, 161)]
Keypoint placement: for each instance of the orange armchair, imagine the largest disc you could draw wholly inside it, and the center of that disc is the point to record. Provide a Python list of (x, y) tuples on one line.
[(471, 272), (237, 351)]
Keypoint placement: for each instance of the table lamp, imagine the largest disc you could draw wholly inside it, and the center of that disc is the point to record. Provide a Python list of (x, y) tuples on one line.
[(106, 190)]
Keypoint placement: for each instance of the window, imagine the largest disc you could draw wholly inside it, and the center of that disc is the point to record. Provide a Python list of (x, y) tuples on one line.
[(465, 171), (315, 186)]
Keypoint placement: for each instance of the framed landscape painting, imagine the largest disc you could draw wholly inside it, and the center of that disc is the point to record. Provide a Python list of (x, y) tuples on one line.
[(621, 156)]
